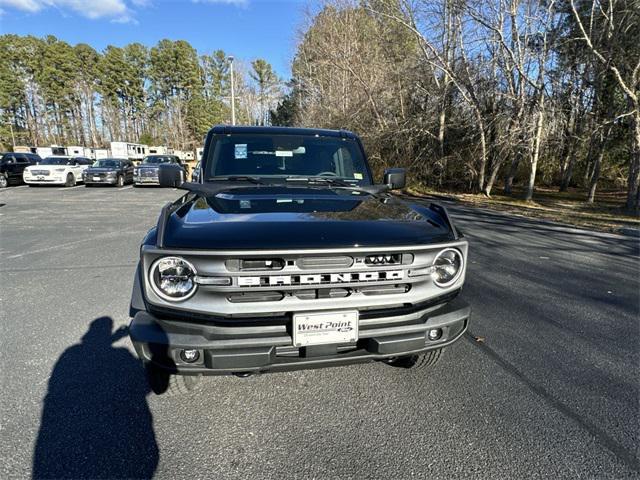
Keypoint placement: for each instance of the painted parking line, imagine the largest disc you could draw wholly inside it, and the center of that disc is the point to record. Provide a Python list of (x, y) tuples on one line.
[(126, 188), (21, 186), (71, 188)]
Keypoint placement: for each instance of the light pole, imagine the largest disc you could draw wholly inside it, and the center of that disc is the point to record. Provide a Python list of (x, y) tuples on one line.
[(233, 96)]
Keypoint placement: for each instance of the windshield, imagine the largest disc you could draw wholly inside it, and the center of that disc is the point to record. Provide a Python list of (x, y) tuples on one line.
[(266, 155), (107, 163), (155, 159), (56, 161)]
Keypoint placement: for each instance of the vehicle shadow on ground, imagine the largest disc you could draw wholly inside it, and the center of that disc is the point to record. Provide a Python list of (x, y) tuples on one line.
[(95, 421)]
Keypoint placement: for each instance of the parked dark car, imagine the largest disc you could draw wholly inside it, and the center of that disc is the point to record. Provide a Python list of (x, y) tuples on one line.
[(147, 172), (109, 171), (13, 164), (288, 256), (195, 175)]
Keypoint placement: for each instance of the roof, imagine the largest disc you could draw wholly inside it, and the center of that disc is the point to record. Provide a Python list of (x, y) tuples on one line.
[(230, 129)]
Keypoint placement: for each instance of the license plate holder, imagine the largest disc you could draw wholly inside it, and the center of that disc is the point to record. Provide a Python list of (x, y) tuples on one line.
[(325, 328), (96, 179)]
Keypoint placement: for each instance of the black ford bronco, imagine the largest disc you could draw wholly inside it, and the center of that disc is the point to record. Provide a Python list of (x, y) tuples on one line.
[(286, 255)]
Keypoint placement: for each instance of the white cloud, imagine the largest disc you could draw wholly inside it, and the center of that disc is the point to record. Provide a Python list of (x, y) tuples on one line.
[(27, 5), (116, 10)]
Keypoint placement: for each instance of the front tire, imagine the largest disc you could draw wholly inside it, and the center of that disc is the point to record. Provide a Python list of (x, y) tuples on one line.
[(71, 180), (4, 181), (120, 181), (169, 384), (418, 362)]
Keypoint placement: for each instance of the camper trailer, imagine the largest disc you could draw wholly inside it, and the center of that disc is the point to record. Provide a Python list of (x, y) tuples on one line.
[(184, 155), (45, 152), (158, 150), (132, 151), (99, 153)]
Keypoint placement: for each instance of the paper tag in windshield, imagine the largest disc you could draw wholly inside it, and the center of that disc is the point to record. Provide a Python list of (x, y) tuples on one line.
[(240, 151), (357, 176)]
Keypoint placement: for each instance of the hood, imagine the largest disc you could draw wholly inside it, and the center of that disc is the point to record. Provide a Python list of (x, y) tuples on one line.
[(296, 218)]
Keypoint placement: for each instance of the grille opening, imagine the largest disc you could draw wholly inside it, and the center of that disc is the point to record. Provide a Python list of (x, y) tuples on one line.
[(322, 293), (255, 264), (289, 351), (248, 297), (389, 259), (308, 263), (385, 289)]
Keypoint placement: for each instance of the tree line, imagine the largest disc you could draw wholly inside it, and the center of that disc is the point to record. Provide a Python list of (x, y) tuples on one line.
[(54, 93), (479, 94)]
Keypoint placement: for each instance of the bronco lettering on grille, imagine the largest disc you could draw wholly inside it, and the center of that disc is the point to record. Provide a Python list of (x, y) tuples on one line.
[(318, 279)]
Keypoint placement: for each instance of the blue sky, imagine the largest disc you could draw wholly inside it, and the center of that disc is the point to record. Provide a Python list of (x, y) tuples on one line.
[(248, 29)]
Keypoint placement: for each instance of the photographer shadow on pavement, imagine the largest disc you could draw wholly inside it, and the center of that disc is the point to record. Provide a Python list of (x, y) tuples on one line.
[(95, 421)]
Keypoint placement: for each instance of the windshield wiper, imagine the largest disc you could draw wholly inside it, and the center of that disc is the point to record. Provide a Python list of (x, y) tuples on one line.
[(239, 178), (328, 180)]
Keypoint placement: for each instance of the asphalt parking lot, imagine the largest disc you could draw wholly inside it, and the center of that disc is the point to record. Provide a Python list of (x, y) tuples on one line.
[(549, 390)]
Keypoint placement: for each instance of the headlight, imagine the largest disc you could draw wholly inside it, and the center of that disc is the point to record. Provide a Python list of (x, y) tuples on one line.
[(136, 171), (111, 174), (173, 278), (447, 267)]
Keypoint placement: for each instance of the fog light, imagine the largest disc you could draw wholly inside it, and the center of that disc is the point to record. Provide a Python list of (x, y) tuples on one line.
[(435, 334), (189, 356)]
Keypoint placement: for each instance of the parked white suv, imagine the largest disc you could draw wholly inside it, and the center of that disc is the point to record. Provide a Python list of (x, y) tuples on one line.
[(58, 170)]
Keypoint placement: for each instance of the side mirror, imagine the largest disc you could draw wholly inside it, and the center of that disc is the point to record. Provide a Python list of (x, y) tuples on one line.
[(170, 175), (395, 178)]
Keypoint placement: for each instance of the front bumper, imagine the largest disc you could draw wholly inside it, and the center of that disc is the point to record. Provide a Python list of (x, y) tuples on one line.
[(266, 345), (49, 180), (102, 180), (146, 181)]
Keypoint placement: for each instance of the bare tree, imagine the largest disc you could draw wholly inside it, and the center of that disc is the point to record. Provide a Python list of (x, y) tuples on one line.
[(618, 19)]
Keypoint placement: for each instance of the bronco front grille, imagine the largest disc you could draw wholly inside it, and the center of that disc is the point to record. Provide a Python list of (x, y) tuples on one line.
[(236, 284), (307, 278)]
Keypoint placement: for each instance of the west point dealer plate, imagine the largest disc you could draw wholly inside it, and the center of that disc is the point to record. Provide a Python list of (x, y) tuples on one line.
[(325, 328)]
